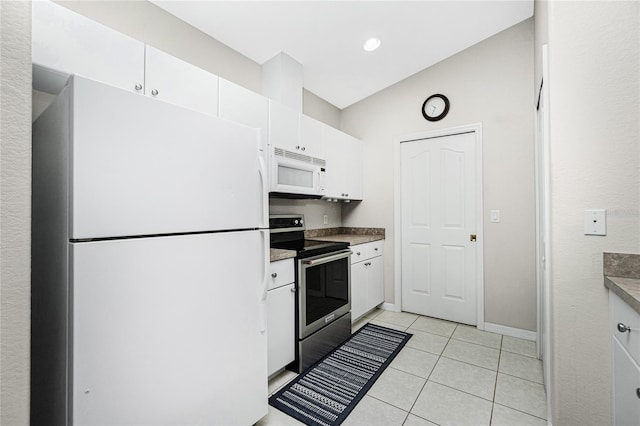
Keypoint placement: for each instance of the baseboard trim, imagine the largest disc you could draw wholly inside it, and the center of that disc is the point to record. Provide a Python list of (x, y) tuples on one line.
[(389, 307), (510, 331)]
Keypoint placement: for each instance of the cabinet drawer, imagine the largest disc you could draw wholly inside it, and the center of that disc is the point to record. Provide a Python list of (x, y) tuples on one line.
[(281, 273), (621, 312), (366, 251)]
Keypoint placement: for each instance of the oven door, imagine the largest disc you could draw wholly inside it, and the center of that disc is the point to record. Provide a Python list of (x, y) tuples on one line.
[(324, 290)]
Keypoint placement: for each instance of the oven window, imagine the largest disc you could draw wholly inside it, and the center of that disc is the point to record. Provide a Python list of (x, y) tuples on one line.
[(327, 288)]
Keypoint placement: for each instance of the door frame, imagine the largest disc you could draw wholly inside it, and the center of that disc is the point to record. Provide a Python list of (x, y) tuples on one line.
[(475, 128)]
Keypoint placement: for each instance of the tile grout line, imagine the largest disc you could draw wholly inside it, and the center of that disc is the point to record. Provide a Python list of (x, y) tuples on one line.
[(495, 386), (519, 411)]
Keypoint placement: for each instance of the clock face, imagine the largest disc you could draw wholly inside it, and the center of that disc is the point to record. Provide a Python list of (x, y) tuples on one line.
[(435, 107)]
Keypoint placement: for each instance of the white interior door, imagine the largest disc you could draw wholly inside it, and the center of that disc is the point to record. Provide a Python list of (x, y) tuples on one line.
[(439, 217), (167, 331)]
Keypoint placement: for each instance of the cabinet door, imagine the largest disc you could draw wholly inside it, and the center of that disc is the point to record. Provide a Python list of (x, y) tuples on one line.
[(284, 127), (280, 327), (181, 83), (335, 157), (354, 169), (358, 290), (375, 282), (311, 137), (235, 103), (68, 42), (626, 387)]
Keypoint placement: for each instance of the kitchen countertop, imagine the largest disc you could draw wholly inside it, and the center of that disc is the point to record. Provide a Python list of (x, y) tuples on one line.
[(627, 288), (622, 276), (280, 254), (352, 239), (353, 236)]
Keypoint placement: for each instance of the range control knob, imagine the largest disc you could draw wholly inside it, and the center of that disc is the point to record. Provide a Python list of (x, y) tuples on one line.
[(296, 221), (301, 222)]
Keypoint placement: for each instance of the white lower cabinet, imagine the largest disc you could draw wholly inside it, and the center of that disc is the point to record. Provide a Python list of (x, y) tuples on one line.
[(625, 358), (367, 278), (281, 317)]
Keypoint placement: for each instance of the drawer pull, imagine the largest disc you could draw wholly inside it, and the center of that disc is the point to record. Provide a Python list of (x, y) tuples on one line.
[(376, 249), (622, 328), (273, 275), (293, 289), (358, 253), (638, 392)]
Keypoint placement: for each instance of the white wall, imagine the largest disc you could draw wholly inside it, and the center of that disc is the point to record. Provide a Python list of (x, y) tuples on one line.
[(316, 107), (15, 216), (313, 211), (594, 96), (489, 83)]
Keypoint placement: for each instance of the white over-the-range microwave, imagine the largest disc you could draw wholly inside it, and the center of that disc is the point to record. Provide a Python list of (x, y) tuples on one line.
[(296, 175)]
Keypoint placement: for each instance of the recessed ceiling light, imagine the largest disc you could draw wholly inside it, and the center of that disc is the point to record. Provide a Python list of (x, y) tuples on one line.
[(371, 44)]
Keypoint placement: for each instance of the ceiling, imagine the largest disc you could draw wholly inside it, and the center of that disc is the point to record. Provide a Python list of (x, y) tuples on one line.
[(326, 37)]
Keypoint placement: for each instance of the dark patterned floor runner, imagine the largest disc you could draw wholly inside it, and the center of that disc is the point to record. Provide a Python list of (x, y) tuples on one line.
[(326, 393)]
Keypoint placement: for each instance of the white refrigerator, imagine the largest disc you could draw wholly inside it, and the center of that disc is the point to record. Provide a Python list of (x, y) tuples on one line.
[(149, 250)]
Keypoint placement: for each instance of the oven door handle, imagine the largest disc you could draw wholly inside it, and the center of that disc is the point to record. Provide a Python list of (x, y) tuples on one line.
[(319, 260)]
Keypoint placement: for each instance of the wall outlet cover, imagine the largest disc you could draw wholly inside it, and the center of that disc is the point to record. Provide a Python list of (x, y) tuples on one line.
[(595, 222)]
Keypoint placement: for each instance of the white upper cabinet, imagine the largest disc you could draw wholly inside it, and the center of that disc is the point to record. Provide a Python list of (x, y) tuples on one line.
[(311, 137), (344, 165), (284, 127), (235, 103), (181, 83), (295, 132), (68, 42)]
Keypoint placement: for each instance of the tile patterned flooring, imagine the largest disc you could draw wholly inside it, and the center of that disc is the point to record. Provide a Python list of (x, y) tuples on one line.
[(447, 374)]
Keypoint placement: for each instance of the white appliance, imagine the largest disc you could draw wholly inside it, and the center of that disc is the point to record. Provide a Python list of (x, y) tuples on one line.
[(150, 244), (294, 174)]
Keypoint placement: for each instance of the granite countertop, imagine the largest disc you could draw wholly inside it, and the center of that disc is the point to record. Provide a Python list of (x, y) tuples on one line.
[(352, 239), (353, 236), (622, 276), (280, 254)]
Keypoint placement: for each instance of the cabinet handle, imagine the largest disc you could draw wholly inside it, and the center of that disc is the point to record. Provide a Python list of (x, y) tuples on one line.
[(358, 253), (298, 147), (154, 92), (346, 195), (303, 148), (376, 249), (138, 87), (622, 328), (273, 275), (367, 264), (293, 289)]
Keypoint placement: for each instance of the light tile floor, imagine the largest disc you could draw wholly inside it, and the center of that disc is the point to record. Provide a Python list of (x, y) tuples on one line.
[(447, 374)]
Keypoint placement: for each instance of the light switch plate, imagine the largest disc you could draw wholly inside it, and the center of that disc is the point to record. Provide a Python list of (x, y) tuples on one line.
[(495, 216), (595, 222)]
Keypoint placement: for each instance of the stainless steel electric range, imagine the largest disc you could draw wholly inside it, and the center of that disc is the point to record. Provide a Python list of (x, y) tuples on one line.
[(323, 283)]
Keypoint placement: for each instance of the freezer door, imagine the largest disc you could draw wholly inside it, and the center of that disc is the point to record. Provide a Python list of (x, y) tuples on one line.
[(141, 166), (166, 331)]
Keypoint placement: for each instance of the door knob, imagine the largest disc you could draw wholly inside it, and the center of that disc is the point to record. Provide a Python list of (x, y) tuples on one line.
[(622, 328), (472, 238)]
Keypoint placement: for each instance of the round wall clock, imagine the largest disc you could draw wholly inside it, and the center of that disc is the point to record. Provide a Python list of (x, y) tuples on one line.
[(435, 107)]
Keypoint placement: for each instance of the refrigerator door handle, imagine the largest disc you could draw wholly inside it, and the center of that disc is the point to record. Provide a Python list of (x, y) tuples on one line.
[(264, 233), (265, 191)]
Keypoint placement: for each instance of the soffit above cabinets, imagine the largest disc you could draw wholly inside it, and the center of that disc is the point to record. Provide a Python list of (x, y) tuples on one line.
[(326, 37)]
